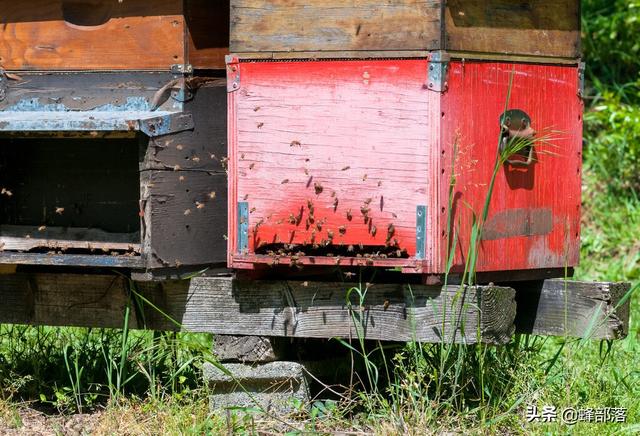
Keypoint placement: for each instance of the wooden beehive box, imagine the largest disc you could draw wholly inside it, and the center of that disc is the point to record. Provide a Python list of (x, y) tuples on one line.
[(113, 133), (87, 35), (349, 122)]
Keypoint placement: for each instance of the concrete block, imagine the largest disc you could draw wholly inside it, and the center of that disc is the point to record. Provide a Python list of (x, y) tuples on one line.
[(272, 386)]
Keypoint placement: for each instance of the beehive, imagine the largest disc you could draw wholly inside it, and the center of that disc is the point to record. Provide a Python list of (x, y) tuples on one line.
[(112, 133), (349, 122)]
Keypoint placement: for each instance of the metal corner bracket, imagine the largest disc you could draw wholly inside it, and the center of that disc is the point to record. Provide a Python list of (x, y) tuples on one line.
[(581, 70), (437, 71), (233, 73)]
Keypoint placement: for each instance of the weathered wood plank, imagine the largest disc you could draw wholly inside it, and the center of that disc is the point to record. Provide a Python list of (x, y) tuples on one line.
[(537, 27), (222, 305), (316, 310), (25, 238), (547, 28), (88, 35), (184, 220), (320, 25), (573, 308)]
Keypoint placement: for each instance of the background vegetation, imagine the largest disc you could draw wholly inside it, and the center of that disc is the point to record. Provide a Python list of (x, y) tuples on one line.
[(146, 383)]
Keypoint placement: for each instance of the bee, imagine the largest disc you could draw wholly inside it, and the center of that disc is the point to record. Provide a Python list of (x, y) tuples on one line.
[(349, 215), (179, 147), (346, 168), (335, 204), (330, 234), (42, 228), (364, 210), (199, 205), (386, 304), (284, 181), (364, 178), (253, 164), (252, 210), (256, 109), (181, 178), (246, 196), (306, 171), (177, 168), (379, 183), (187, 212), (342, 230), (374, 230), (368, 201), (318, 188), (305, 284), (212, 195), (260, 125), (350, 248), (195, 159), (59, 210), (295, 143), (349, 274)]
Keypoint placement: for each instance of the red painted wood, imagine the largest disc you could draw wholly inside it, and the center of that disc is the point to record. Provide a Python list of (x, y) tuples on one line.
[(551, 186), (371, 135)]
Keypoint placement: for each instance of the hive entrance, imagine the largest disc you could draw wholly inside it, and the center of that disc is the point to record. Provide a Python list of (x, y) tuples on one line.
[(73, 194)]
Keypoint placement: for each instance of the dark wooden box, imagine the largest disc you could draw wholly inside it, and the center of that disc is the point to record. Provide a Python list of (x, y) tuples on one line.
[(100, 178)]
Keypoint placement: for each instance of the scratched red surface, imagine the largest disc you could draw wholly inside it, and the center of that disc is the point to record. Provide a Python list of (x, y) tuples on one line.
[(363, 142), (549, 189)]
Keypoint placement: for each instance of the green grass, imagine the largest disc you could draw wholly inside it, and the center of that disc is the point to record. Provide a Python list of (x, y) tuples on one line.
[(151, 383)]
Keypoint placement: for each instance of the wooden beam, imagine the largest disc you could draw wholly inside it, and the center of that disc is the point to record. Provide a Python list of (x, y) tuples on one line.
[(223, 305), (560, 307)]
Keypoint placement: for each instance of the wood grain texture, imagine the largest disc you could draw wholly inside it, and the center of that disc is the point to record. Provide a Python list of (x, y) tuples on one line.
[(578, 309), (205, 146), (88, 35), (25, 238), (184, 219), (222, 305), (325, 25), (534, 27), (333, 152), (534, 215), (336, 153)]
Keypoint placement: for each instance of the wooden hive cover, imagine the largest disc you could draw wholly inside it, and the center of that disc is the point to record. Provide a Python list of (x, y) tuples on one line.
[(337, 28), (112, 34)]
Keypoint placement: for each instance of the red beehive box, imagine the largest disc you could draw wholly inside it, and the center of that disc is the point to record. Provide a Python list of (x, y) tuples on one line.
[(349, 161)]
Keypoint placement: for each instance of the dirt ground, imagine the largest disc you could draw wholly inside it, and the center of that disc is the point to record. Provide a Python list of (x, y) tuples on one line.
[(28, 421)]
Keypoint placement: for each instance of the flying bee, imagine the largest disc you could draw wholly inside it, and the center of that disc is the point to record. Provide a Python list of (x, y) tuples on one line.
[(212, 195), (59, 210), (350, 248)]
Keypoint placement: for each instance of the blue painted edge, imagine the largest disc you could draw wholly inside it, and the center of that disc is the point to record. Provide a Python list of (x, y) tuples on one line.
[(421, 231), (72, 260), (243, 226)]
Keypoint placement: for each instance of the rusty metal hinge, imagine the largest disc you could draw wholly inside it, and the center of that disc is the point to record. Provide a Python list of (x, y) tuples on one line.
[(233, 73), (181, 69), (437, 71)]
